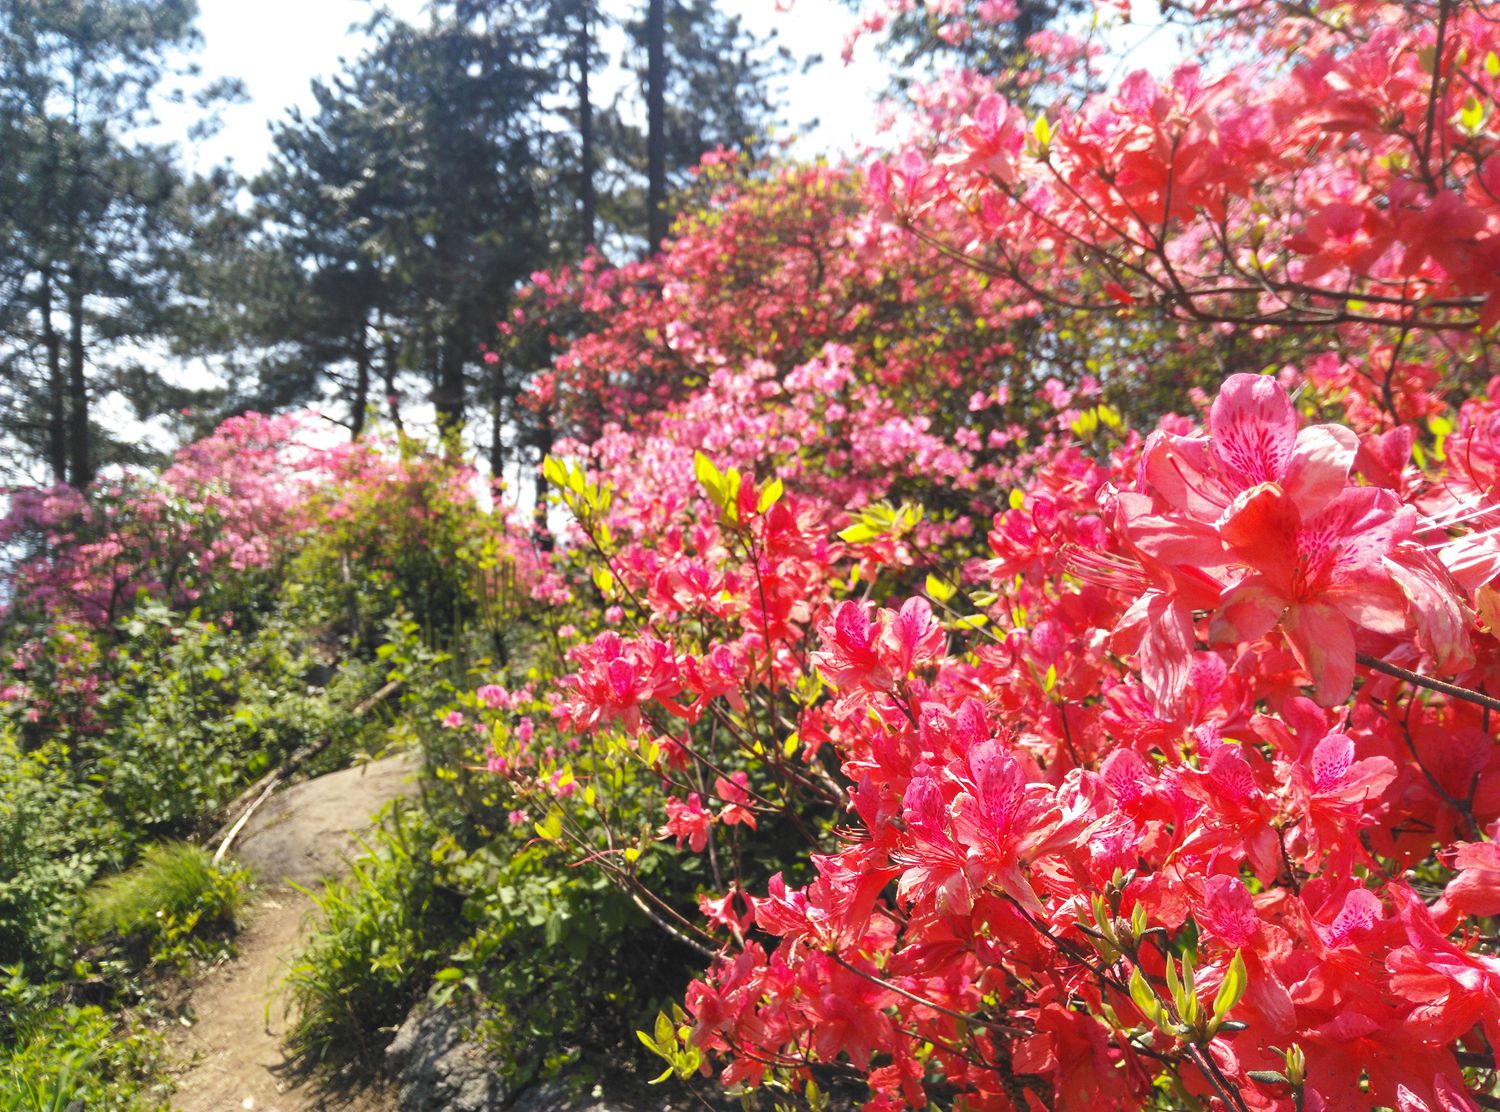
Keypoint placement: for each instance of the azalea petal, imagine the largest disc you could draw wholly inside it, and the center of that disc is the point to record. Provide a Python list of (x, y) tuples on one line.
[(1166, 654), (1262, 528), (1474, 560), (1373, 602), (1254, 429), (1331, 761), (1176, 540), (1180, 469), (1323, 641), (1361, 911), (1320, 465), (1441, 618), (1228, 911), (1247, 611), (1382, 458)]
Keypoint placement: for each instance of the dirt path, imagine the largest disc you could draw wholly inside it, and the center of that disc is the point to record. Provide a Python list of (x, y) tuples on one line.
[(231, 1059)]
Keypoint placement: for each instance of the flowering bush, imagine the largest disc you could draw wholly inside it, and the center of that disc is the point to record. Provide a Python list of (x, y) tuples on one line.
[(1178, 786), (1007, 720), (1130, 819)]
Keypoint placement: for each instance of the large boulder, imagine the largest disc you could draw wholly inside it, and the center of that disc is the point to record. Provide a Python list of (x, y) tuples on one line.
[(437, 1067)]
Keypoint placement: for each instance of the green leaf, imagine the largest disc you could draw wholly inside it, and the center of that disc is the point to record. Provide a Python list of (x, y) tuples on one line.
[(939, 590), (858, 533), (1232, 988), (1145, 1000), (710, 478), (770, 494), (1266, 1077), (1471, 115), (554, 472), (1138, 921), (1187, 1002), (550, 829)]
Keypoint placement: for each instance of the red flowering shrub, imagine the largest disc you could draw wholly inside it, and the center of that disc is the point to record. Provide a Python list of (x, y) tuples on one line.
[(1182, 783), (1180, 807)]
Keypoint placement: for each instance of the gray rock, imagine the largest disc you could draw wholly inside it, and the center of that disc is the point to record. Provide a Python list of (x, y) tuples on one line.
[(553, 1096), (618, 1095), (438, 1069)]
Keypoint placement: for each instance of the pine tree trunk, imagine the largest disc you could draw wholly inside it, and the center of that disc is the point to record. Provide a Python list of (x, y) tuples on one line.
[(362, 358), (448, 391), (57, 387), (588, 202), (497, 431), (80, 450), (390, 366), (656, 124), (544, 439)]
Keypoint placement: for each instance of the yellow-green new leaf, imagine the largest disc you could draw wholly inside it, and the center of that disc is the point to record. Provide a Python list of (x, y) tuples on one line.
[(858, 533), (550, 829), (710, 478), (1231, 989), (770, 494), (1471, 115), (938, 590), (1145, 1000)]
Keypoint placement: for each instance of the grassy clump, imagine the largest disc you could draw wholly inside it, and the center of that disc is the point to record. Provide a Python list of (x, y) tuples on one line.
[(170, 904), (381, 934)]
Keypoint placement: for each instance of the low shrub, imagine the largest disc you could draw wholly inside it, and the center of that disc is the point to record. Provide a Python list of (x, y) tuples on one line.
[(55, 834), (55, 1057), (170, 904)]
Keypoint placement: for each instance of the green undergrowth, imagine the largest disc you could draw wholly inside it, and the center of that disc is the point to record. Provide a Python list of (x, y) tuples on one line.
[(107, 809), (57, 1056), (557, 966), (173, 905), (380, 933)]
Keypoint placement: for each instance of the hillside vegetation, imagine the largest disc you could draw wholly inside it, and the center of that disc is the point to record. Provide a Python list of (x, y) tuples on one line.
[(1011, 627)]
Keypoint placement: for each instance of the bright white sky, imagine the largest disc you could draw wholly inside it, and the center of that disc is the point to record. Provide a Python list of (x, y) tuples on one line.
[(278, 46)]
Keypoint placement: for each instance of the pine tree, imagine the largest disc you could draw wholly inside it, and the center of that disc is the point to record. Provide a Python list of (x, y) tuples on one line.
[(84, 213)]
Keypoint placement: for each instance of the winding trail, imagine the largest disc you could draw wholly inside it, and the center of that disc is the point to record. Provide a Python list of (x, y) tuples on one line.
[(231, 1058)]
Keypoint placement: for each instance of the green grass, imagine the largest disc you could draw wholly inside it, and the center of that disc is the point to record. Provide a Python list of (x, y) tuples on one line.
[(56, 1056), (170, 902), (382, 930)]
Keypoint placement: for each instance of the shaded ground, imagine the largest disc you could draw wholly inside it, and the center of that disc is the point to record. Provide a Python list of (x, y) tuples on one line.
[(231, 1058)]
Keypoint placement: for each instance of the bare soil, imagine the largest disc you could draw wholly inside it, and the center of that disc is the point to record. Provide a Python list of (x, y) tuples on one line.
[(231, 1058)]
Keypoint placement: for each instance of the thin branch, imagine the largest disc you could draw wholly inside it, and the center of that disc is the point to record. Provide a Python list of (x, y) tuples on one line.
[(1443, 687)]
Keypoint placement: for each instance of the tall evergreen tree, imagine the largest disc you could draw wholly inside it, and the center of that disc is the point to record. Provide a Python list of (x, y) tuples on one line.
[(707, 84), (656, 123), (407, 208), (83, 211)]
